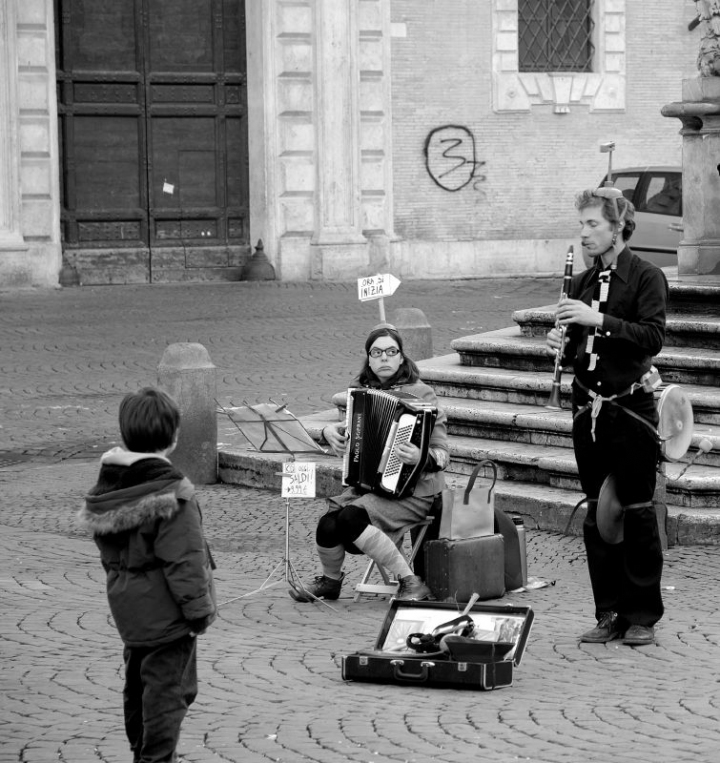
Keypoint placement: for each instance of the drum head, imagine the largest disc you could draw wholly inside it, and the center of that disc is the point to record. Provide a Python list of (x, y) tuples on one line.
[(676, 422), (610, 513)]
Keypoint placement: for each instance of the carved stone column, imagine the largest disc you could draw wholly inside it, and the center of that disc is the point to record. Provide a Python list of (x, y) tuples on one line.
[(699, 112), (338, 243)]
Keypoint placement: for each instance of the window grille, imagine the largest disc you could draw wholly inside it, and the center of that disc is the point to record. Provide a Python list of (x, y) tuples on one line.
[(555, 35)]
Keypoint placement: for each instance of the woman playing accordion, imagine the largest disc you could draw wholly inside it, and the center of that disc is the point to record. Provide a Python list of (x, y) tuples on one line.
[(358, 521)]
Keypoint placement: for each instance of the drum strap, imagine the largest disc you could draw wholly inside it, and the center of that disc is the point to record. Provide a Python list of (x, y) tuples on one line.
[(643, 505), (597, 402), (574, 511)]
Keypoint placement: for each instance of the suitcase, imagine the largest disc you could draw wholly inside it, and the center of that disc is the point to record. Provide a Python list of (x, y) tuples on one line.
[(455, 569), (484, 661)]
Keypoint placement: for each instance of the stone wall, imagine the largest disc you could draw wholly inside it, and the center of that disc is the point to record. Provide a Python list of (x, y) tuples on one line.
[(535, 138), (352, 107), (320, 130), (30, 253)]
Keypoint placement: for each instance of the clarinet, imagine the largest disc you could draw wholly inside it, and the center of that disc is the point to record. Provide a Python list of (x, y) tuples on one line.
[(554, 401)]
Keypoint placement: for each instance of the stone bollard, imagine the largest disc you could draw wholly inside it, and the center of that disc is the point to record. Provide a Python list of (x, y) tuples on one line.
[(187, 374), (258, 267), (415, 332)]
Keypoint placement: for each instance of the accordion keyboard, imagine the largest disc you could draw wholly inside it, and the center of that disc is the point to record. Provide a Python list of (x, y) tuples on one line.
[(393, 465)]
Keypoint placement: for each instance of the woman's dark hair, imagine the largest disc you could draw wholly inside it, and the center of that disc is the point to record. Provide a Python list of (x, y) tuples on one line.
[(149, 420), (407, 373)]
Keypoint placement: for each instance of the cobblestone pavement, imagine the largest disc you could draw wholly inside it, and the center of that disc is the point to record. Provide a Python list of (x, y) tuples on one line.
[(271, 687), (69, 356)]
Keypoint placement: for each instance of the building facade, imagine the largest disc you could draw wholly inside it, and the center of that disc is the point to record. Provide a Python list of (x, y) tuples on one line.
[(158, 141)]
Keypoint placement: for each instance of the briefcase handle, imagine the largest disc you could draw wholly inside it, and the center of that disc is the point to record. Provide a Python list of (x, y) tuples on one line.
[(474, 474), (402, 675)]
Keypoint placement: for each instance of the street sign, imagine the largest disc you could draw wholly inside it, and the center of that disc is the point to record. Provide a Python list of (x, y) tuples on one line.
[(377, 287)]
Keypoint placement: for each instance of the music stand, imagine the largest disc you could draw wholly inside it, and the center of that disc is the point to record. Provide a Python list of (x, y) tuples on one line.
[(273, 429)]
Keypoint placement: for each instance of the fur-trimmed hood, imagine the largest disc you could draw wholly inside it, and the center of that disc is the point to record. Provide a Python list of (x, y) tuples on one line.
[(132, 489), (146, 522)]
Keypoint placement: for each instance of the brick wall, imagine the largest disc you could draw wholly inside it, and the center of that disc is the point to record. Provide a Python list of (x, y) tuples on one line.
[(534, 161)]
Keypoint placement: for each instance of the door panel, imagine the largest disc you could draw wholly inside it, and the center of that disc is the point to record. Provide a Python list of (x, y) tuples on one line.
[(183, 154), (658, 204), (100, 35), (181, 35), (152, 109), (237, 164), (106, 152)]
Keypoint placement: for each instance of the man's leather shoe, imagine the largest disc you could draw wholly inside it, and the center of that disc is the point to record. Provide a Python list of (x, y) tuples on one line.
[(639, 635), (606, 630)]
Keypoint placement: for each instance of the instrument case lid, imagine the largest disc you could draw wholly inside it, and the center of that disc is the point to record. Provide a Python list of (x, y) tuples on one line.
[(500, 625)]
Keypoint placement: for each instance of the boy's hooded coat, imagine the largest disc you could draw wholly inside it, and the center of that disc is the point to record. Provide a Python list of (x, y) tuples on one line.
[(146, 522)]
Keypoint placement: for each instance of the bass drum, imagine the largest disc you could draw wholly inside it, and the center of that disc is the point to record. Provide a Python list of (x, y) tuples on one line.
[(675, 427)]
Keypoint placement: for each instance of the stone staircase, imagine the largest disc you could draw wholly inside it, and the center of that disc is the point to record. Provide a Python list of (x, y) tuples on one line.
[(495, 387)]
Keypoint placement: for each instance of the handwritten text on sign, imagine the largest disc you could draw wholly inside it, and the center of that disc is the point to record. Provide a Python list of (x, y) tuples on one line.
[(376, 287), (298, 480)]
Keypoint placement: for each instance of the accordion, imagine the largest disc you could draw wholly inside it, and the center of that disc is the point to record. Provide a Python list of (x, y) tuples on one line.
[(377, 421)]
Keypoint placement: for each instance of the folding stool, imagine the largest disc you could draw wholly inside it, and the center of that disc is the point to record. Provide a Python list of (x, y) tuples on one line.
[(389, 586)]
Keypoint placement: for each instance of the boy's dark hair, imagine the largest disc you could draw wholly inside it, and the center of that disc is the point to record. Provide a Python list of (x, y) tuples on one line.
[(149, 420)]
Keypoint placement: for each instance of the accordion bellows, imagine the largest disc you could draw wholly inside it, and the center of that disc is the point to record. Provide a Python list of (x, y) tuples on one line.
[(377, 421)]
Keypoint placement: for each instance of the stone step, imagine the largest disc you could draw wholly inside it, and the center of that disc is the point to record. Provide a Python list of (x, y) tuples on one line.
[(682, 330), (542, 506), (508, 348), (688, 294), (512, 423), (553, 463), (450, 378), (495, 388), (692, 295), (538, 426), (525, 463)]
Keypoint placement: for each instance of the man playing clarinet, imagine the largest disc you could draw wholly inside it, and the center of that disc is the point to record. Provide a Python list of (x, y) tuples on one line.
[(615, 323)]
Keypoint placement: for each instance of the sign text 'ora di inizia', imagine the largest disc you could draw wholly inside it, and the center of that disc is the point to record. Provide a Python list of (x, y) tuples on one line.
[(377, 287)]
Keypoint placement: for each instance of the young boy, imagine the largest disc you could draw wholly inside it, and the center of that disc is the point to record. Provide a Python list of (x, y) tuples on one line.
[(147, 524)]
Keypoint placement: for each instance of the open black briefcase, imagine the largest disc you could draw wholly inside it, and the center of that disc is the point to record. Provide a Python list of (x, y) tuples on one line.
[(478, 650)]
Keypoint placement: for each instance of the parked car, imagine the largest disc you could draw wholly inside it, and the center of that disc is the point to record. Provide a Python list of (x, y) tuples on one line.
[(656, 193)]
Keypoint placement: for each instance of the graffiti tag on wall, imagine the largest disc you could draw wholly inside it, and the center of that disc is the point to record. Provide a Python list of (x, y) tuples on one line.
[(450, 158)]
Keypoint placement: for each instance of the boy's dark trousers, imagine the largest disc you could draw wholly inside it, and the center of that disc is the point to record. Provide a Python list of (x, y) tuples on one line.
[(160, 685)]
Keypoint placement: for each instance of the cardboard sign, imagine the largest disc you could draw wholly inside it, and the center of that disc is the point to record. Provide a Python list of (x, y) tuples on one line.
[(377, 287), (298, 479)]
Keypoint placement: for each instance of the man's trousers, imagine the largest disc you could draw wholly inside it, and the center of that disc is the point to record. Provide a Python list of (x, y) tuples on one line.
[(625, 577)]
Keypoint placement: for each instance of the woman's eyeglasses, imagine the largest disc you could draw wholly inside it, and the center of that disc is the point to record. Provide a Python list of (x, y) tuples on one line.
[(391, 352)]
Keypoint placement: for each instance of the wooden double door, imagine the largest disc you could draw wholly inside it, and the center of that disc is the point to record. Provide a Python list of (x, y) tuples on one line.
[(152, 103)]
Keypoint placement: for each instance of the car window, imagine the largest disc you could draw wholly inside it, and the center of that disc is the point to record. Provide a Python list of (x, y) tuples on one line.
[(661, 195), (626, 182)]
